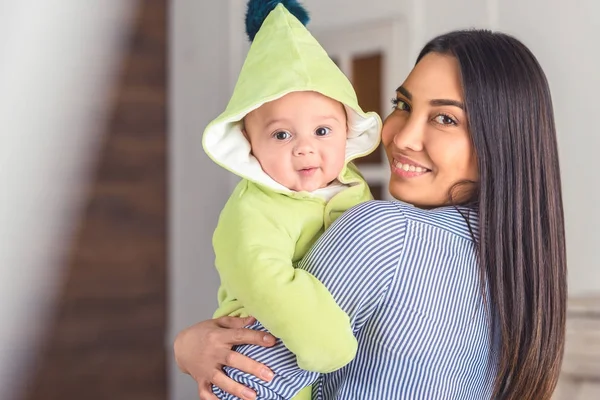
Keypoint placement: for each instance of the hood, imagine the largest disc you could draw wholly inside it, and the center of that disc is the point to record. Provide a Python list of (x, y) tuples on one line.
[(283, 58)]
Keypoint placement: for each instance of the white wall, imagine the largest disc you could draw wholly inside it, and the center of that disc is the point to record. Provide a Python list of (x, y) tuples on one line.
[(198, 81), (426, 18), (565, 40), (208, 46)]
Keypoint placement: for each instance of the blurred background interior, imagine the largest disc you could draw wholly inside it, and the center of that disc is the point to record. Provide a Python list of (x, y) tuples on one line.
[(108, 203)]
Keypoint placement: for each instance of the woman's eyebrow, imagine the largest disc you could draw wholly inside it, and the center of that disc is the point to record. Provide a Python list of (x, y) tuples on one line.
[(446, 102), (435, 102), (401, 89)]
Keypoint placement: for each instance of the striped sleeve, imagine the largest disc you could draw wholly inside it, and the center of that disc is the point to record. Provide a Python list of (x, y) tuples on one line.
[(356, 259)]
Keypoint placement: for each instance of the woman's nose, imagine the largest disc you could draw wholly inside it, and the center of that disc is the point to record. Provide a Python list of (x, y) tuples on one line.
[(410, 136)]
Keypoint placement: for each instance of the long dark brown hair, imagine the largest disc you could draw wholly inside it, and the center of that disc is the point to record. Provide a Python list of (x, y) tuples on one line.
[(521, 243)]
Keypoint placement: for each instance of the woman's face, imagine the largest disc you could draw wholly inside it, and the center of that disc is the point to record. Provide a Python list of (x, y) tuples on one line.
[(426, 137)]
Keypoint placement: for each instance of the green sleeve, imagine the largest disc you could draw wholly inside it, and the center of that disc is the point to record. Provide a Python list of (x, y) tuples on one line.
[(254, 255)]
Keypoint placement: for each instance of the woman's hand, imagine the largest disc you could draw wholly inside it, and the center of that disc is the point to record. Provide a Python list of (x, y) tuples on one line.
[(203, 349)]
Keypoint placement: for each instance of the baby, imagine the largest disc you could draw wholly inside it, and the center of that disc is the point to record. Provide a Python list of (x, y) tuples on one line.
[(290, 130)]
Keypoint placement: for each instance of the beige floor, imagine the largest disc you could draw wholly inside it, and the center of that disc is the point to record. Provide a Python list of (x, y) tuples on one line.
[(580, 378)]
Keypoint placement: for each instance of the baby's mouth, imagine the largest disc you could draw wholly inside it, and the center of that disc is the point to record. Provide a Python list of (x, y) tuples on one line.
[(308, 171)]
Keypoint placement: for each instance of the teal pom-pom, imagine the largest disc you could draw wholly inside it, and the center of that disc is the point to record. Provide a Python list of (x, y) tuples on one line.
[(259, 9)]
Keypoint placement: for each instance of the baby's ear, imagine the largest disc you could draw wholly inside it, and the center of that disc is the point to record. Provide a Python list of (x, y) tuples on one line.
[(243, 127), (247, 138)]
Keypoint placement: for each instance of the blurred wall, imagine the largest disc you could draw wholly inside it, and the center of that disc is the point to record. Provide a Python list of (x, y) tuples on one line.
[(105, 339), (55, 76)]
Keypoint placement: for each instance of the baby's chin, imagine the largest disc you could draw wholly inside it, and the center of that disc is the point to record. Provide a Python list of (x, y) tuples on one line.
[(309, 186), (307, 182)]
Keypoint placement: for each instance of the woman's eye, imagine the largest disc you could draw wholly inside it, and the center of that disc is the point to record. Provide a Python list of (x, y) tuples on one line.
[(322, 131), (444, 120), (400, 105), (282, 135)]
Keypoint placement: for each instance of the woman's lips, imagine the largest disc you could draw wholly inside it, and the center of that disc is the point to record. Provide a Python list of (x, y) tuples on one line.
[(407, 168)]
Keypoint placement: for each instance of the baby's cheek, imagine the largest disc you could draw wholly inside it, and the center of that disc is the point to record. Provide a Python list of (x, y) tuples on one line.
[(338, 165), (271, 168)]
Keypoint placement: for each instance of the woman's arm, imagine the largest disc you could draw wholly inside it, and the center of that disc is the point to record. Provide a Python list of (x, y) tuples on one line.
[(203, 349)]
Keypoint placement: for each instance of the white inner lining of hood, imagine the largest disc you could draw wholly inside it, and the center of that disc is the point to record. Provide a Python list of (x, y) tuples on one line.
[(227, 146), (330, 190)]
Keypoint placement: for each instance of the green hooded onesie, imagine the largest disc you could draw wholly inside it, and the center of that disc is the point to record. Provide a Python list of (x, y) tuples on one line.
[(265, 228)]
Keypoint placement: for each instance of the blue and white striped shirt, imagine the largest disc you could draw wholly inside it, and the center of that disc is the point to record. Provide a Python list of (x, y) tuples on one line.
[(409, 280)]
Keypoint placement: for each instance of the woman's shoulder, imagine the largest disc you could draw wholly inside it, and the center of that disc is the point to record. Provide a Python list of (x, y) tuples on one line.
[(456, 220), (461, 221), (369, 221), (373, 212)]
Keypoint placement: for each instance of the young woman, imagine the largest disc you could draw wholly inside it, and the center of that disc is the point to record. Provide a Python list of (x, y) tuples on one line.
[(456, 291)]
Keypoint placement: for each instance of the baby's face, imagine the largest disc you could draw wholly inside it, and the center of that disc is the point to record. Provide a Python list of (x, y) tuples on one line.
[(299, 139)]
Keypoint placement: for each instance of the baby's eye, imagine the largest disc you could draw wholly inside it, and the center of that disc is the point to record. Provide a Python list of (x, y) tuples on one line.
[(322, 131), (282, 135)]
